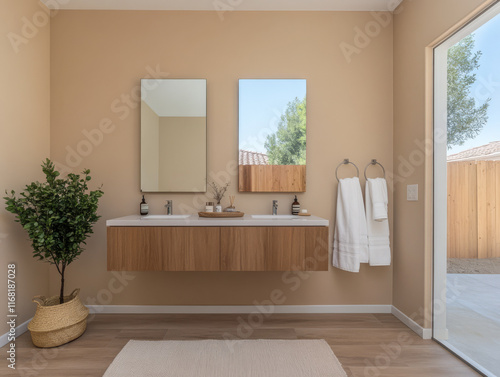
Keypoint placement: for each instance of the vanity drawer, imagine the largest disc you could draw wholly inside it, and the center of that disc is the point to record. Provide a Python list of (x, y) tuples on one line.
[(274, 249), (163, 248)]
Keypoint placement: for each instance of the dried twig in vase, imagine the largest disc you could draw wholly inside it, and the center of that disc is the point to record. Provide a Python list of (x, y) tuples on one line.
[(218, 191)]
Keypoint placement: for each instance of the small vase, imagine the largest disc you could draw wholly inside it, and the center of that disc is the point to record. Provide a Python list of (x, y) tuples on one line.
[(218, 207)]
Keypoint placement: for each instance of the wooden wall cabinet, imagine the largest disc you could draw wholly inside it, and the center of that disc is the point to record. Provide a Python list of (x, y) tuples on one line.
[(218, 248)]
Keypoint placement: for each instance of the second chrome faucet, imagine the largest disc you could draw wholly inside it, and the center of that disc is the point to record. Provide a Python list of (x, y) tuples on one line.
[(275, 207), (170, 207)]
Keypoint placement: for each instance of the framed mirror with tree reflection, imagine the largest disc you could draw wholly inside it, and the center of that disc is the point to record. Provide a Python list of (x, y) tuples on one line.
[(272, 135)]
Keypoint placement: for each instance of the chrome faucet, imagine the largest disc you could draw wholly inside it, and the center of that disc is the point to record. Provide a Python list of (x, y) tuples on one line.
[(275, 207), (170, 207)]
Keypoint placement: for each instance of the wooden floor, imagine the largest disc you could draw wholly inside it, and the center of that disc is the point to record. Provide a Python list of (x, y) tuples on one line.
[(367, 345)]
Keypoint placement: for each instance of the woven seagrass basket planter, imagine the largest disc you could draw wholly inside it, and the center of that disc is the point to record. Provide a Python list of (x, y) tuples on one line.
[(56, 324)]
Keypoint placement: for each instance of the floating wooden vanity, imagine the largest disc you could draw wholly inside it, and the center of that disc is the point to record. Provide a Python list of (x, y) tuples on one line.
[(194, 244)]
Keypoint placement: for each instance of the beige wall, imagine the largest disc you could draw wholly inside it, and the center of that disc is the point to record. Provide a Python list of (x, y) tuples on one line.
[(98, 58), (183, 142), (150, 152), (416, 25), (24, 142), (95, 119)]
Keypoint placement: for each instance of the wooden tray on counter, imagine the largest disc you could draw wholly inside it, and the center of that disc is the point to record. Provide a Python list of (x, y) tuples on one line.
[(219, 215)]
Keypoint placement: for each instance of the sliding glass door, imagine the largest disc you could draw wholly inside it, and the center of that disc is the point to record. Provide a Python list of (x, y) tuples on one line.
[(466, 285)]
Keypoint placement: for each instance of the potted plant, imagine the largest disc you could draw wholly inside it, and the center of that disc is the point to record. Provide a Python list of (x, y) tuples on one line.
[(58, 215)]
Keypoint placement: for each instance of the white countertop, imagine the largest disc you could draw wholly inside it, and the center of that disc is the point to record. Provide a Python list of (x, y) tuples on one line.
[(195, 220)]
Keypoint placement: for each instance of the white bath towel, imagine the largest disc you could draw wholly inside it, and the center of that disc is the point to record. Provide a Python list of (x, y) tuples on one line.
[(377, 222), (350, 246)]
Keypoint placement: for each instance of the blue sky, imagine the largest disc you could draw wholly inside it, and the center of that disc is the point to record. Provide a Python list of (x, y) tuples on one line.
[(261, 102), (487, 83)]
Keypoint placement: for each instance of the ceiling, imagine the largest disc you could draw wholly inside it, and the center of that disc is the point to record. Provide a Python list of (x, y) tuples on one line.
[(227, 5)]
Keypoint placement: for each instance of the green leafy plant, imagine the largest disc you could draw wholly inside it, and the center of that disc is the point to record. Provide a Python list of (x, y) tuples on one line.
[(466, 117), (58, 215), (287, 146)]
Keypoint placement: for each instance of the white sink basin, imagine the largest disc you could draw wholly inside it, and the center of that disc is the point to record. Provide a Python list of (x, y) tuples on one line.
[(165, 217), (275, 217)]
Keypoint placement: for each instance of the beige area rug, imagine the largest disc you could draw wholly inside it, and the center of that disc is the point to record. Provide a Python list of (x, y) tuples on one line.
[(220, 358)]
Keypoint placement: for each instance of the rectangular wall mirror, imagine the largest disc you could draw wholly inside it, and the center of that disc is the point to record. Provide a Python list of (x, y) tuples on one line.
[(173, 135), (272, 135)]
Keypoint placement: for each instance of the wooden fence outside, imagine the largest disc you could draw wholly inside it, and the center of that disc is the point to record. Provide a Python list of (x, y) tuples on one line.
[(473, 218)]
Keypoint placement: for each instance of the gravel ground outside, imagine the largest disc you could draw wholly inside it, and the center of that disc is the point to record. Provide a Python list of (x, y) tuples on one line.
[(474, 266)]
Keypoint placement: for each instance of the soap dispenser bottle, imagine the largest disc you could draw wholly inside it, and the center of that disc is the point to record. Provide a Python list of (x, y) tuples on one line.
[(144, 207), (295, 206)]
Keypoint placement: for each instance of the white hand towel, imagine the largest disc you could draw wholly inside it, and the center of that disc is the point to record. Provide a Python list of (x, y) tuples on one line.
[(378, 229), (378, 196), (350, 246)]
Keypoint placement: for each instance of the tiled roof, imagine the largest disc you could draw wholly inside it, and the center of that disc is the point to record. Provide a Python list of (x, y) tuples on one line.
[(489, 151), (253, 158)]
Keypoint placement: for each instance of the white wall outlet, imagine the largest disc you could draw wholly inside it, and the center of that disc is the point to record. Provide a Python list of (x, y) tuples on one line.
[(412, 193)]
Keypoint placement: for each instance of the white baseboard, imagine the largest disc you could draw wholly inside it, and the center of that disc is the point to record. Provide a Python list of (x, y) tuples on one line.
[(20, 330), (243, 309), (421, 331), (247, 309)]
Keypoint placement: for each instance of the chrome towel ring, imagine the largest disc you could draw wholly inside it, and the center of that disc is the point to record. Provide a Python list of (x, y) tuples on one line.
[(345, 162), (374, 162)]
